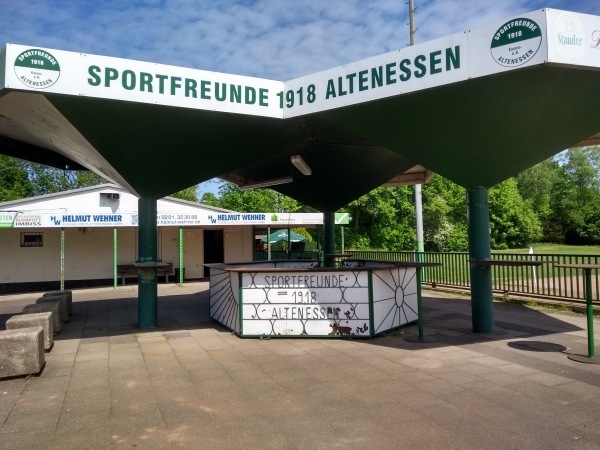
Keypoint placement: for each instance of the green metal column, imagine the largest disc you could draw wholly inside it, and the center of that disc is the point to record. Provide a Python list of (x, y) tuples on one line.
[(478, 218), (62, 259), (147, 251), (268, 243), (419, 222), (329, 238), (420, 257), (115, 259), (181, 268), (590, 312)]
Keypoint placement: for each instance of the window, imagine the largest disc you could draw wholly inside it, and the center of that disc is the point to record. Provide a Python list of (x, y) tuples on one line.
[(32, 239)]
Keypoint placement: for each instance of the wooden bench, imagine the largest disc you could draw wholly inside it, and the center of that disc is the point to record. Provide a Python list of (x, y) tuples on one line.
[(125, 270)]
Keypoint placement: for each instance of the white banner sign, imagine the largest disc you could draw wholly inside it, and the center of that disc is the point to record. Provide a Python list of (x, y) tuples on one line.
[(573, 38), (423, 66), (87, 219), (291, 219), (57, 71), (526, 40)]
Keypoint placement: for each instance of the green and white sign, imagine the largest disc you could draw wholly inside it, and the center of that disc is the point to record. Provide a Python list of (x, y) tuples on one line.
[(433, 63), (6, 220), (508, 45), (37, 68), (342, 218), (516, 42), (128, 80), (535, 38), (76, 219)]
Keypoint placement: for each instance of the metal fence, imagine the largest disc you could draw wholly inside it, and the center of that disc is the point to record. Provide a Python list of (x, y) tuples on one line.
[(544, 281)]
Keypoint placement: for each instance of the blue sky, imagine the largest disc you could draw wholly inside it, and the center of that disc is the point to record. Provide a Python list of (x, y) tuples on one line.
[(276, 39)]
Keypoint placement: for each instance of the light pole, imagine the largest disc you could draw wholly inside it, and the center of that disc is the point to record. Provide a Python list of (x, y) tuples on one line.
[(418, 197)]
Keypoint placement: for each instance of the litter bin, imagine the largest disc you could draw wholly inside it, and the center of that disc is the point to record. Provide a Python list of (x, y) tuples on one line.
[(177, 274)]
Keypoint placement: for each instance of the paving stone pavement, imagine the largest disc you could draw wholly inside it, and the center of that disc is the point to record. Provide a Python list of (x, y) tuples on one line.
[(192, 384)]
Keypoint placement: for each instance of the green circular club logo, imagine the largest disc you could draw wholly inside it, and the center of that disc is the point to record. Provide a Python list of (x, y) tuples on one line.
[(516, 42), (37, 68)]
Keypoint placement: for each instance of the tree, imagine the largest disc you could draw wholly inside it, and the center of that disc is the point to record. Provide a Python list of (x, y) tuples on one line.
[(208, 198), (576, 197), (513, 222), (444, 216), (252, 200), (47, 180), (536, 185), (564, 191), (188, 194), (382, 219), (14, 179)]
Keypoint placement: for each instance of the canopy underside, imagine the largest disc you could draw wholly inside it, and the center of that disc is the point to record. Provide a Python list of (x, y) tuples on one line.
[(476, 133)]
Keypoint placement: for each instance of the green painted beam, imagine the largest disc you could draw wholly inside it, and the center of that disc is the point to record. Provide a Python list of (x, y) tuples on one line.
[(482, 131), (476, 133)]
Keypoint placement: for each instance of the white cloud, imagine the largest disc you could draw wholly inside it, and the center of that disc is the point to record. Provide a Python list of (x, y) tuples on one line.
[(279, 39)]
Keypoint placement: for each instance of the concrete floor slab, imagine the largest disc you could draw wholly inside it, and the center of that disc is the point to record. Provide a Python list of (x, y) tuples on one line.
[(192, 384)]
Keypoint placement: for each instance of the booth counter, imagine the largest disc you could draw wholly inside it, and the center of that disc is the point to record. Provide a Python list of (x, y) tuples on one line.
[(296, 298)]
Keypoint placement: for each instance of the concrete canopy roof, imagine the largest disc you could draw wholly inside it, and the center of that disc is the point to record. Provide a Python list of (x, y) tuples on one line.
[(476, 107)]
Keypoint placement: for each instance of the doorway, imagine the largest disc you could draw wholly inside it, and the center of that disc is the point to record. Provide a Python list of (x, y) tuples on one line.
[(213, 249)]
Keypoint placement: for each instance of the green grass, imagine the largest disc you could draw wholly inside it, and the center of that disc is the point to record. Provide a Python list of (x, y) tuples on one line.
[(550, 306), (556, 248), (540, 304), (549, 279)]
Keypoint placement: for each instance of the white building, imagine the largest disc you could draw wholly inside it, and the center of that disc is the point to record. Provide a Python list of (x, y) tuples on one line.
[(80, 237)]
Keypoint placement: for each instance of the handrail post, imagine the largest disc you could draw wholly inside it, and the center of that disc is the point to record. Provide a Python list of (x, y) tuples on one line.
[(589, 312)]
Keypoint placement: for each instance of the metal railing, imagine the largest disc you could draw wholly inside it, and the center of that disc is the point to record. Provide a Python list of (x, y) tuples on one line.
[(544, 281)]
